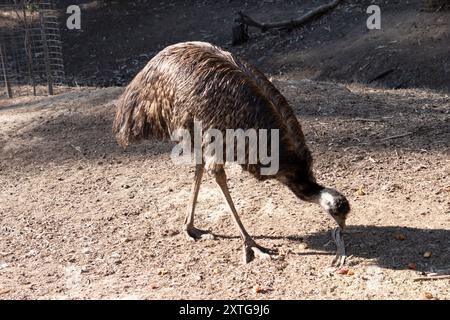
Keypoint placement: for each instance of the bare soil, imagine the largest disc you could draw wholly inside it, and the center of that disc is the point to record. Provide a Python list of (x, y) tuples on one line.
[(82, 219)]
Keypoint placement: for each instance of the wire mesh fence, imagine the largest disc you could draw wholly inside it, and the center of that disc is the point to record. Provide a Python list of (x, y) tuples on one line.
[(31, 58)]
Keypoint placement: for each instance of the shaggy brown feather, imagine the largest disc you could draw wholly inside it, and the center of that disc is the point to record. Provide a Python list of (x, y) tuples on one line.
[(196, 81), (199, 81)]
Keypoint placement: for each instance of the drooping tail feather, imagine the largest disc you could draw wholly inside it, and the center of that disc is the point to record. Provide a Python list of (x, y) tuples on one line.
[(144, 109)]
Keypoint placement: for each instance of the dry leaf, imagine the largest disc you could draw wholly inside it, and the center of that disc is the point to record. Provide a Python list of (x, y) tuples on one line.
[(400, 236), (412, 266), (343, 270), (256, 289), (360, 192), (427, 254), (162, 272), (428, 295), (4, 291)]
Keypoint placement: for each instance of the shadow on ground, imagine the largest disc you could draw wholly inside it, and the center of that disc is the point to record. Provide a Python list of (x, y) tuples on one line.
[(380, 244)]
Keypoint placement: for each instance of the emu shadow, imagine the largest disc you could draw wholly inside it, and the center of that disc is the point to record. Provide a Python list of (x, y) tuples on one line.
[(379, 244), (382, 245)]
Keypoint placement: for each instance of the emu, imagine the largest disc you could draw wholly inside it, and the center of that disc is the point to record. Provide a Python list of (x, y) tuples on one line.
[(197, 81)]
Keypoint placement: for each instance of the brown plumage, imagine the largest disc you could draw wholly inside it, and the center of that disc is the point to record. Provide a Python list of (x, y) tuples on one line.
[(198, 81)]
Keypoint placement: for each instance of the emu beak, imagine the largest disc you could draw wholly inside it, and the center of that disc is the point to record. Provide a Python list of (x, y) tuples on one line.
[(340, 222)]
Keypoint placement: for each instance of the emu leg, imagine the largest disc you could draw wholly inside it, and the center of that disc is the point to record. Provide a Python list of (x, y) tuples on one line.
[(251, 249), (341, 255), (191, 232)]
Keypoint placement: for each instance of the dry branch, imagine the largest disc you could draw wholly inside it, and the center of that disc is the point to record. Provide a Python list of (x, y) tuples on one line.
[(381, 75), (247, 20), (398, 136), (362, 120), (429, 278)]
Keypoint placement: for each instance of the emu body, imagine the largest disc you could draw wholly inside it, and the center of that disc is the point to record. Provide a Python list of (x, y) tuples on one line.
[(196, 81)]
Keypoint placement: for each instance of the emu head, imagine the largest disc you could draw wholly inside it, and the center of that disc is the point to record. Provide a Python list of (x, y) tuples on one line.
[(303, 185), (335, 204)]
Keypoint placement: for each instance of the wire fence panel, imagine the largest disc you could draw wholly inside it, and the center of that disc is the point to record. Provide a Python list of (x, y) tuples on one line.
[(31, 56)]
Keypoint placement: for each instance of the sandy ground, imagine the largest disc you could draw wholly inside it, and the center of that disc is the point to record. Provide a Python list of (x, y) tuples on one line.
[(82, 219)]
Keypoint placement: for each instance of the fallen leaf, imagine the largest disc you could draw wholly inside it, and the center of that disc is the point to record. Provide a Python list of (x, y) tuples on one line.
[(256, 289), (412, 266), (284, 251), (4, 291), (343, 270), (162, 272), (360, 192), (350, 272), (428, 295), (427, 254), (153, 286), (400, 236)]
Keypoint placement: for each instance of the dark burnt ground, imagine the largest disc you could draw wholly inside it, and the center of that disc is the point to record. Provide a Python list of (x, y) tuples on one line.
[(411, 49)]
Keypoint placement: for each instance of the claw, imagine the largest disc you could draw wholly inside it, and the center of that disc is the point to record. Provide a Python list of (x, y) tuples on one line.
[(251, 249), (341, 256), (194, 234)]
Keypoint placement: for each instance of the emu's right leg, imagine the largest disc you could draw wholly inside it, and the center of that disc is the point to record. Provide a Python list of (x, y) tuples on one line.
[(251, 248), (191, 232)]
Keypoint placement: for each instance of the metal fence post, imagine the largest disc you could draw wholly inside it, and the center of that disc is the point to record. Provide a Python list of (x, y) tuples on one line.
[(5, 74), (46, 55)]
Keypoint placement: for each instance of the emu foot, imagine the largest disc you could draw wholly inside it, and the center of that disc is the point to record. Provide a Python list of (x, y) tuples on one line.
[(251, 249), (341, 256), (194, 234)]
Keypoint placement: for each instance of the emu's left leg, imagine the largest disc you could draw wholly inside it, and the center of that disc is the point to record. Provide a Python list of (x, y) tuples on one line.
[(250, 247)]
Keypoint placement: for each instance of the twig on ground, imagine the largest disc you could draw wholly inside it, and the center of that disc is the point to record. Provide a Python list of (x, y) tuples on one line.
[(428, 278), (363, 120), (381, 75), (397, 136)]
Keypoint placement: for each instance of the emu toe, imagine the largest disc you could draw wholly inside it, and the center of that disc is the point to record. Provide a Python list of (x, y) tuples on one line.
[(341, 255), (251, 249), (194, 234)]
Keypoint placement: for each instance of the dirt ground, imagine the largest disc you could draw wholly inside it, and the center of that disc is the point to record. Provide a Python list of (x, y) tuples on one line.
[(81, 218)]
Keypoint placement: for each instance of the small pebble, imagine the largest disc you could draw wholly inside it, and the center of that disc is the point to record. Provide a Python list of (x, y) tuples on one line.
[(256, 289)]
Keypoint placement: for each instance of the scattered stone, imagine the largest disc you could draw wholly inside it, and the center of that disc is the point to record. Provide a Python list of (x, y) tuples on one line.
[(256, 289), (3, 265)]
